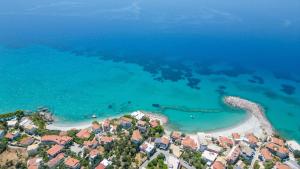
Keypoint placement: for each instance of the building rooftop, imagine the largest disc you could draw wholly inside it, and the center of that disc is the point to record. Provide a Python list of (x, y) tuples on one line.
[(136, 136), (83, 134), (277, 141), (218, 165), (62, 140), (188, 142), (54, 150), (71, 162), (266, 154), (55, 161)]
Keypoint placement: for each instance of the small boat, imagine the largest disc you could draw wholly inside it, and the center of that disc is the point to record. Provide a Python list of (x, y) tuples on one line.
[(191, 116), (94, 116)]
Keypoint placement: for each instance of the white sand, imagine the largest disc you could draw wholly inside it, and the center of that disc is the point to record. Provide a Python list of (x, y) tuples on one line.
[(257, 123), (68, 126)]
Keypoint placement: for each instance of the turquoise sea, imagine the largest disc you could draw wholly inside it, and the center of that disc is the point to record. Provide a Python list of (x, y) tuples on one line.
[(85, 57)]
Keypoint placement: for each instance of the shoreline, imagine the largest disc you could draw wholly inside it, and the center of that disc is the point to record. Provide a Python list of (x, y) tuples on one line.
[(255, 122)]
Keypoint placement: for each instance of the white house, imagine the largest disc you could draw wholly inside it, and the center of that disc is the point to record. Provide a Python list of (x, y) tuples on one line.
[(138, 115), (147, 148), (173, 162), (209, 157), (293, 145)]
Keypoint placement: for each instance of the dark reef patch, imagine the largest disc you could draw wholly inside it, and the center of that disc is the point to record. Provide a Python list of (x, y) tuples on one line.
[(286, 76), (193, 83), (287, 89), (221, 90), (257, 79)]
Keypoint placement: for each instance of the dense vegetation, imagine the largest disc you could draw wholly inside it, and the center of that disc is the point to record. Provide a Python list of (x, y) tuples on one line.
[(194, 158), (157, 163), (19, 114)]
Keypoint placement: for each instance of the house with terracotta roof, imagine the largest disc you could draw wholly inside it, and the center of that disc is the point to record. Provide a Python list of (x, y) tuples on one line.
[(54, 150), (125, 122), (233, 155), (96, 127), (84, 134), (147, 148), (100, 166), (54, 162), (277, 150), (279, 165), (91, 144), (225, 142), (176, 136), (189, 143), (104, 140), (55, 139), (236, 137), (72, 163), (162, 143), (93, 155), (136, 137), (34, 163), (218, 165), (142, 126), (265, 155), (26, 141), (251, 139), (277, 141), (12, 135)]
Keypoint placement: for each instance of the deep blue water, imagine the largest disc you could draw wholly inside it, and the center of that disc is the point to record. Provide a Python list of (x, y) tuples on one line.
[(173, 41)]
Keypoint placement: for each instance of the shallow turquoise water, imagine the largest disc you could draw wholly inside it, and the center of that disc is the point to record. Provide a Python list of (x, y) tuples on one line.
[(75, 87)]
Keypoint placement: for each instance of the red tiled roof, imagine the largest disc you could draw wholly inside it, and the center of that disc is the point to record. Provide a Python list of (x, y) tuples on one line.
[(9, 136), (154, 123), (218, 165), (225, 141), (26, 141), (100, 166), (236, 136), (279, 165), (53, 162), (252, 138), (277, 148), (106, 139), (189, 143), (83, 134), (54, 150), (136, 135), (71, 162), (62, 140), (33, 163), (95, 126), (90, 143), (266, 154), (277, 141), (165, 140), (94, 153)]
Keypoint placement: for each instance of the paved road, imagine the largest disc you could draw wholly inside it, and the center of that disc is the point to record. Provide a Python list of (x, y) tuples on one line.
[(255, 158), (167, 154)]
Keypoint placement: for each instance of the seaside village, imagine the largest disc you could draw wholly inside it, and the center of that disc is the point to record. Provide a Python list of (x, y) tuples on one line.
[(138, 140)]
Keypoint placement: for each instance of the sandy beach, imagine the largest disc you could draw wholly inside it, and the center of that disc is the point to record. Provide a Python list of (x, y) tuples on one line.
[(256, 122)]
